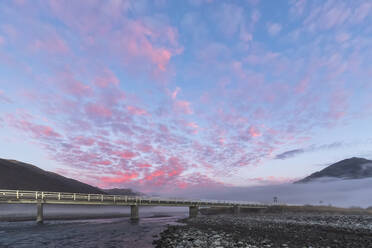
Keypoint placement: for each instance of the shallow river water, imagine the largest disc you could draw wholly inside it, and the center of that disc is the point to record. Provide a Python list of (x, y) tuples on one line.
[(116, 232)]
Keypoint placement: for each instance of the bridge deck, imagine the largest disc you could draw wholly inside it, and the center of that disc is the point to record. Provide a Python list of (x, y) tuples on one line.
[(29, 197)]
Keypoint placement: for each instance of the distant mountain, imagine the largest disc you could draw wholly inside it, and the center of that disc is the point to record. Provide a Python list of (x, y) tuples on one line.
[(352, 168), (21, 176), (117, 191)]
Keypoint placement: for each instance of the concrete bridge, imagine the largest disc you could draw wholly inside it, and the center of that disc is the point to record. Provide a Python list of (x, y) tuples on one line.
[(40, 198)]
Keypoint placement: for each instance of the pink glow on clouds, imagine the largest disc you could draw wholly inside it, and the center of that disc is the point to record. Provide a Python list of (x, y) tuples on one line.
[(51, 45), (175, 93), (121, 178), (143, 165), (80, 140), (72, 86), (96, 109), (274, 180), (136, 111), (126, 154), (254, 132), (139, 45), (109, 107), (36, 130), (107, 78), (183, 107)]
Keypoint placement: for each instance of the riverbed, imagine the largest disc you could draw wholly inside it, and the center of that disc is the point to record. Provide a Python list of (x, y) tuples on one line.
[(98, 232)]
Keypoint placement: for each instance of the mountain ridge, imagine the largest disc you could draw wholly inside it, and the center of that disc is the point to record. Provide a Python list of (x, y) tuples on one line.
[(351, 168), (16, 175)]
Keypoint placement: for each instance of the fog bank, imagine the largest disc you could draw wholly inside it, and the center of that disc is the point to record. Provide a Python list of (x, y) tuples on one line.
[(343, 193)]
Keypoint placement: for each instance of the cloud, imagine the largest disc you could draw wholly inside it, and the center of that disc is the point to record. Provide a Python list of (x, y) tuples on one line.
[(107, 78), (183, 107), (274, 28), (97, 111), (289, 154), (37, 131), (342, 193), (229, 17), (136, 111), (4, 98), (312, 148), (175, 93)]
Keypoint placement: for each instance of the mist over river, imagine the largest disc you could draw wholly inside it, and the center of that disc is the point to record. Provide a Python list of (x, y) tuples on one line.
[(99, 232)]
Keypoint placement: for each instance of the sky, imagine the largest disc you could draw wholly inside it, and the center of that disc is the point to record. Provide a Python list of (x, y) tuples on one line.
[(164, 95)]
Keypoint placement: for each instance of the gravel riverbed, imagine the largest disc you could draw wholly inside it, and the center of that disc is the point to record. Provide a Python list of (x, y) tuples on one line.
[(271, 230)]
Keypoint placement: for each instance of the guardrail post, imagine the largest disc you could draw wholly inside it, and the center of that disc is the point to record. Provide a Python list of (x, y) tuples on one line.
[(74, 197), (193, 211), (134, 212), (59, 196), (40, 213), (101, 198), (236, 210), (88, 197)]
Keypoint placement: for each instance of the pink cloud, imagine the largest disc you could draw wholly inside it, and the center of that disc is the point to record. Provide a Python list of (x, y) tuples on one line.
[(143, 165), (52, 44), (96, 109), (184, 107), (2, 40), (36, 130), (140, 44), (145, 148), (81, 140), (136, 111), (105, 162), (302, 85), (67, 81), (254, 132), (126, 154), (137, 41), (120, 178), (107, 78), (338, 105), (175, 93)]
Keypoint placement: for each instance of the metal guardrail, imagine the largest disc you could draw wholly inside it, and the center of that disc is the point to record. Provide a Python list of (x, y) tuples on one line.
[(25, 196)]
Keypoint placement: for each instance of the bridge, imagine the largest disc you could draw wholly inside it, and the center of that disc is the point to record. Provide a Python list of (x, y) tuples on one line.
[(40, 198)]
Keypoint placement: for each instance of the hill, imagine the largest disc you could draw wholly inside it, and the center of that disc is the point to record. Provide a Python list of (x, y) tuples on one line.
[(352, 168), (117, 191), (22, 176)]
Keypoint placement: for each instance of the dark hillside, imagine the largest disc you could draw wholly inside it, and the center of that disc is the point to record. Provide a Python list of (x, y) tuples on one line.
[(352, 168), (21, 176)]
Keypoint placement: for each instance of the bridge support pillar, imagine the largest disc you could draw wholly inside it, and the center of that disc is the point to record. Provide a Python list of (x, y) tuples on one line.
[(40, 213), (193, 211), (236, 210), (134, 212)]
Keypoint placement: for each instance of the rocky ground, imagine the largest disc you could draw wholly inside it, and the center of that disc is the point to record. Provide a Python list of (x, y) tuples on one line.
[(271, 230)]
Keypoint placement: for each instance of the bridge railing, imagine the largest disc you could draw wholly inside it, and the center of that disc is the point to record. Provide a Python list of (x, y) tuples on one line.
[(19, 195)]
